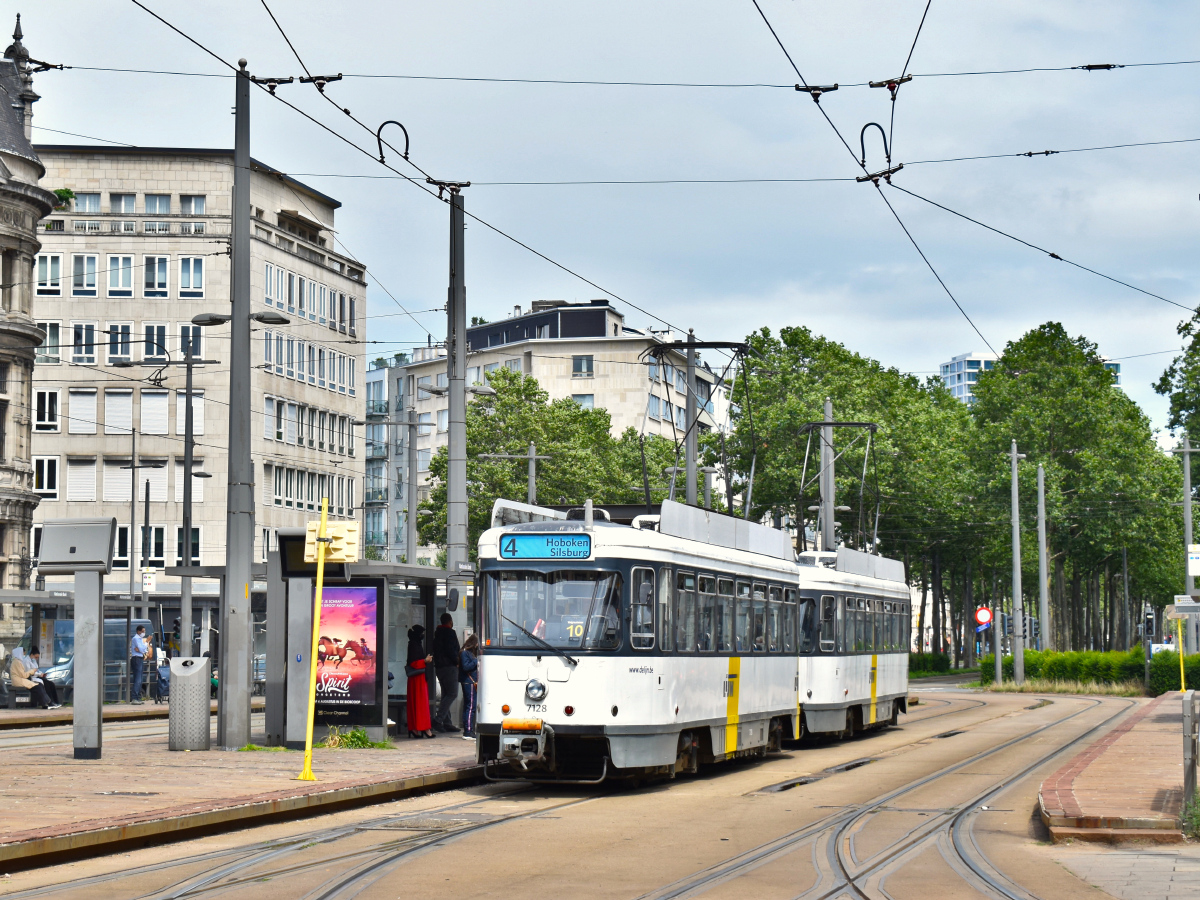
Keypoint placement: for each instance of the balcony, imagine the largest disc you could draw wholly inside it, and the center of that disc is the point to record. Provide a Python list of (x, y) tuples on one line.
[(376, 539), (376, 492), (376, 450), (377, 408)]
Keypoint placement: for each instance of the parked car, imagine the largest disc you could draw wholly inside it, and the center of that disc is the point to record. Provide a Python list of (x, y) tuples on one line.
[(58, 662)]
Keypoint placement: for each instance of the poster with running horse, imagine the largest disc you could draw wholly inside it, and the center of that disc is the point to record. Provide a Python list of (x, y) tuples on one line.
[(349, 686)]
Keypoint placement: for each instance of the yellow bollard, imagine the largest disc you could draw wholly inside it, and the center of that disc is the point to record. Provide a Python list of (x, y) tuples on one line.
[(307, 774), (1179, 647)]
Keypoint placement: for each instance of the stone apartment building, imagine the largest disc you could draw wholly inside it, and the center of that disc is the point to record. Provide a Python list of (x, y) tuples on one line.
[(124, 267), (22, 204), (583, 351)]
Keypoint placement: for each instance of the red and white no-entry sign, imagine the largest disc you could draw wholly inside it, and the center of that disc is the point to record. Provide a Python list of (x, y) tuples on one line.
[(983, 615)]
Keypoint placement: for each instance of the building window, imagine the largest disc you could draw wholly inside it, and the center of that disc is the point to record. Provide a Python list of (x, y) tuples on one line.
[(278, 354), (321, 432), (514, 365), (83, 342), (192, 228), (190, 204), (342, 313), (87, 203), (118, 481), (83, 276), (301, 287), (652, 407), (81, 412), (426, 423), (312, 364), (312, 426), (150, 546), (268, 345), (156, 227), (47, 351), (190, 339), (155, 412), (158, 204), (119, 341), (422, 382), (353, 315), (278, 486), (49, 275), (280, 411), (587, 401), (45, 476), (582, 367), (46, 406), (542, 332), (350, 365), (155, 284), (291, 293), (291, 358), (321, 368), (156, 342), (121, 549), (443, 420), (179, 546), (312, 301), (342, 435), (341, 373), (300, 360), (423, 457), (321, 292), (81, 480), (118, 411), (120, 276), (191, 277), (121, 204)]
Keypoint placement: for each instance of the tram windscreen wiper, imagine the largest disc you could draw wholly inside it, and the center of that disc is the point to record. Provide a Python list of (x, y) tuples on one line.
[(572, 660)]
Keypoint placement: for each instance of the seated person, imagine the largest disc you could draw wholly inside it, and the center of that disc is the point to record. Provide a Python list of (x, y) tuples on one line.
[(24, 673)]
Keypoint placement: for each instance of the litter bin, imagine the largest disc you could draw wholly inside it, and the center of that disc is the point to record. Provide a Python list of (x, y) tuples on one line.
[(190, 710)]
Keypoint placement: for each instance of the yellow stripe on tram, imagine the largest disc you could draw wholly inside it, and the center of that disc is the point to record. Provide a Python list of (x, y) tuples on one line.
[(874, 684), (731, 703)]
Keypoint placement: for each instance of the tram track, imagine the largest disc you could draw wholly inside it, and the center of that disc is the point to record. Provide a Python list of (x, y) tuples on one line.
[(831, 832)]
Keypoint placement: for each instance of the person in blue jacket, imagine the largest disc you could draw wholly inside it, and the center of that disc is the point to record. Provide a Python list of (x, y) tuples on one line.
[(468, 677)]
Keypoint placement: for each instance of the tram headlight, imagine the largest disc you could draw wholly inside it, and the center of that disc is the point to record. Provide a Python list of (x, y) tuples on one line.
[(535, 690)]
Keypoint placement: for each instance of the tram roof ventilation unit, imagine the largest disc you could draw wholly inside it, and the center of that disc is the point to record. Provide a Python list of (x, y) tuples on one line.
[(855, 562), (510, 512), (692, 523)]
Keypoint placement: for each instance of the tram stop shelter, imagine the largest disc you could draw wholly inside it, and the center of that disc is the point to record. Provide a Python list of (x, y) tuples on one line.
[(405, 596)]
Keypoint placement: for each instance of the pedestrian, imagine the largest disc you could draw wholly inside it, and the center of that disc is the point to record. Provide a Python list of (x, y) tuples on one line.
[(446, 653), (418, 697), (139, 651), (468, 677), (23, 672)]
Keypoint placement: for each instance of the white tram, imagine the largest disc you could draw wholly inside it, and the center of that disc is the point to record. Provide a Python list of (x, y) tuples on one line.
[(615, 651)]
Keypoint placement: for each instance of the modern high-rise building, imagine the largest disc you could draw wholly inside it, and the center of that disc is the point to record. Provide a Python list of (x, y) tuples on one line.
[(960, 374), (139, 250), (22, 204)]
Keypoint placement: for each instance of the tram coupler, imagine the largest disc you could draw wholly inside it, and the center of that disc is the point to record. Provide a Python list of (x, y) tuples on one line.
[(523, 741)]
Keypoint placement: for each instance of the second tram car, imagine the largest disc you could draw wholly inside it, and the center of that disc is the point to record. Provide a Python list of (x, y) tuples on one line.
[(690, 637)]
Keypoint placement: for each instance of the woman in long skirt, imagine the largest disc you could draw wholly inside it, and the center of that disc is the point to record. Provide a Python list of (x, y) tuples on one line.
[(418, 691)]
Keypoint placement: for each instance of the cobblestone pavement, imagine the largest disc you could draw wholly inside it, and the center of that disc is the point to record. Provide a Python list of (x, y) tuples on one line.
[(1137, 874)]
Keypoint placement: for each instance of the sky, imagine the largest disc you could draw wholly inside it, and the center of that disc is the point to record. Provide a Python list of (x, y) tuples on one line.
[(723, 259)]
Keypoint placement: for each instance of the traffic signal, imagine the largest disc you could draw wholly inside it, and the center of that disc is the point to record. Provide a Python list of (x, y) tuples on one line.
[(1005, 624), (342, 542)]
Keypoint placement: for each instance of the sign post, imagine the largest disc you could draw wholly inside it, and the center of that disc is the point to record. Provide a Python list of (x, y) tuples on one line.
[(343, 547)]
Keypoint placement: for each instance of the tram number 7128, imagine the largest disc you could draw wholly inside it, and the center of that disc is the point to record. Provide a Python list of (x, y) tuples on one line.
[(535, 707)]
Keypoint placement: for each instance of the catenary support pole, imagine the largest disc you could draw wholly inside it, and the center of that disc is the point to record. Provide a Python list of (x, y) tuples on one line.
[(1018, 606), (531, 487), (689, 438), (1187, 510), (1125, 599), (828, 536), (233, 712), (185, 583), (133, 498), (410, 453), (456, 364), (1045, 642), (146, 537)]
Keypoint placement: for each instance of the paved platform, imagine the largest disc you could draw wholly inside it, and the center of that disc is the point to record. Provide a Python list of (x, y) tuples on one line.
[(140, 792), (1127, 785), (113, 712)]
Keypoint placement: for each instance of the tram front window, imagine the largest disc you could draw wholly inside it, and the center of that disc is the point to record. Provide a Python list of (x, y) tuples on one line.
[(570, 610)]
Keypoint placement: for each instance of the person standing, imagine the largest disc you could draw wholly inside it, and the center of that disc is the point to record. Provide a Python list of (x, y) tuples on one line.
[(23, 671), (417, 705), (468, 677), (139, 649), (446, 653)]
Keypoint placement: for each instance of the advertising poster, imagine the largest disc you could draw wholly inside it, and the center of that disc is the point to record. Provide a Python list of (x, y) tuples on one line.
[(349, 682)]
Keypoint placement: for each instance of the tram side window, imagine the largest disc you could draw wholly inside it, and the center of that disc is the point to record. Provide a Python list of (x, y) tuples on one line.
[(775, 620), (760, 617), (666, 622), (641, 614), (889, 625), (725, 636), (744, 611), (880, 626), (906, 626), (851, 632), (828, 624), (807, 622), (897, 624), (685, 612), (789, 621), (707, 615)]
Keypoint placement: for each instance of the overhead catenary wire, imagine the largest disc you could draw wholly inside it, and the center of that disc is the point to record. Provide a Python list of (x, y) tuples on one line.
[(903, 72)]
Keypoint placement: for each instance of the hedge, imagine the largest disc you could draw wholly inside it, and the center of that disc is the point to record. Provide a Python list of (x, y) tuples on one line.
[(1107, 668), (929, 662)]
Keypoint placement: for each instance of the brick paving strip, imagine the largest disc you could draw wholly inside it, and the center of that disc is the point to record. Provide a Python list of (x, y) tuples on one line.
[(1125, 786), (141, 791)]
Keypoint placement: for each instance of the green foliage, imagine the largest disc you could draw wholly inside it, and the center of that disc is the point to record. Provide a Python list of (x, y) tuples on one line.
[(931, 663), (259, 748), (1164, 672), (586, 461), (65, 196), (1190, 818), (355, 739), (1113, 667), (1052, 686)]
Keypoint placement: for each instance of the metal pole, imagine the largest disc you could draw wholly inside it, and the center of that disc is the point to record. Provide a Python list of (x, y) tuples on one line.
[(233, 714), (1125, 584), (1043, 582), (708, 490), (132, 513), (1187, 509), (410, 515), (531, 490), (828, 537), (146, 551), (689, 437), (1018, 607), (456, 336), (185, 583)]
